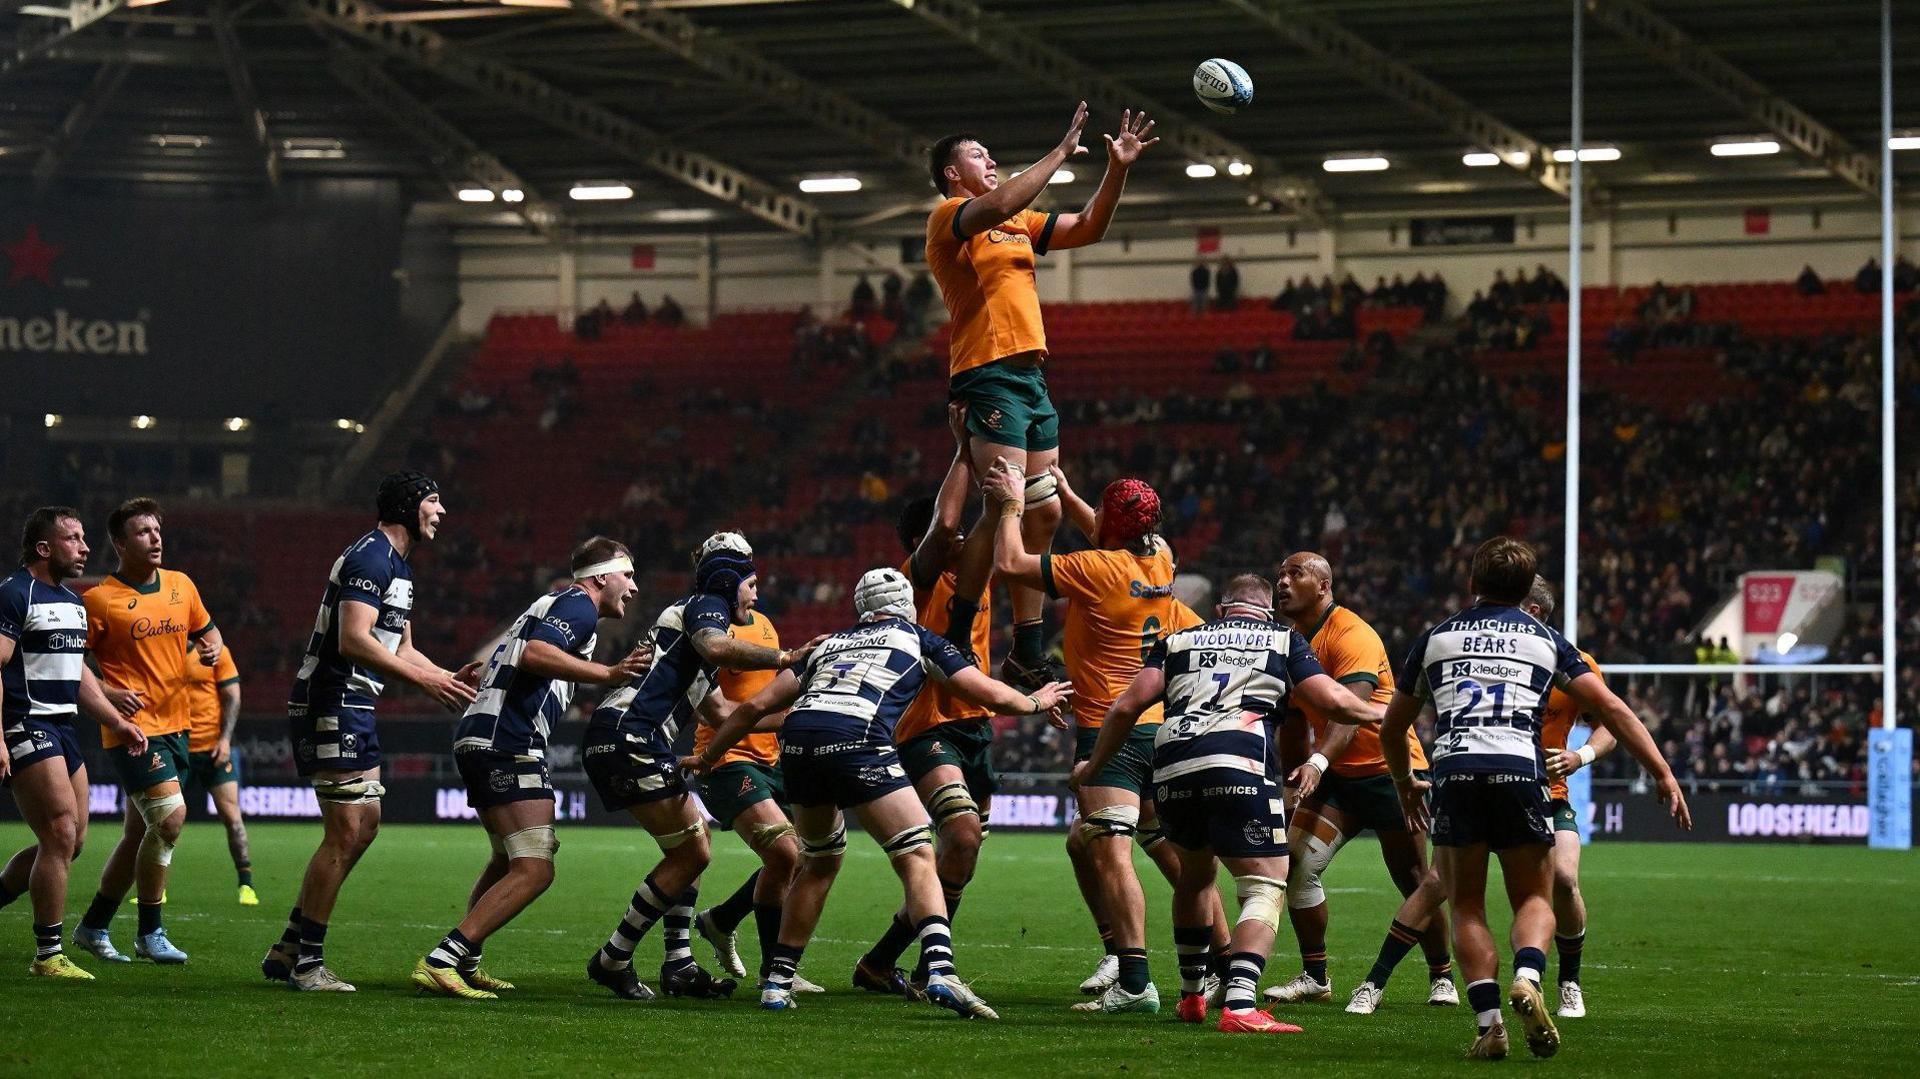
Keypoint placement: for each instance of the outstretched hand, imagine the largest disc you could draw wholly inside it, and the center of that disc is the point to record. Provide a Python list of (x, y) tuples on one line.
[(1070, 142), (1126, 147)]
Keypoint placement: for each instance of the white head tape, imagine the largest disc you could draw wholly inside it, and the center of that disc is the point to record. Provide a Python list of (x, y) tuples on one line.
[(616, 564)]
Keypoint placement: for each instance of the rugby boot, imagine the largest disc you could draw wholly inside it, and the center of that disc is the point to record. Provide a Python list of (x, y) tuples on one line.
[(624, 983), (156, 947), (1253, 1021), (1117, 1000), (59, 966), (726, 952), (956, 996), (1303, 989), (446, 982), (1543, 1038), (692, 980), (96, 943)]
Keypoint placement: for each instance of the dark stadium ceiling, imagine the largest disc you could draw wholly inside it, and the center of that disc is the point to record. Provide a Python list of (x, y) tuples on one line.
[(713, 111)]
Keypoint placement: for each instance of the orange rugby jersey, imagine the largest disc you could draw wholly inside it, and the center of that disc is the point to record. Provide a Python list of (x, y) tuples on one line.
[(936, 704), (760, 747), (139, 636), (1119, 605), (987, 282), (1556, 719), (1352, 654), (203, 699)]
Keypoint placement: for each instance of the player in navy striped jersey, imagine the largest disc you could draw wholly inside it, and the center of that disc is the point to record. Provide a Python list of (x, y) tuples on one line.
[(1224, 683), (362, 638), (837, 752), (500, 748), (1486, 673), (46, 682), (628, 756)]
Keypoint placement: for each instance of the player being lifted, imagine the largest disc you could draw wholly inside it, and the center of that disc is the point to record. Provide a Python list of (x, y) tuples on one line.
[(1343, 789), (1569, 906), (146, 625), (981, 244), (836, 749), (1223, 684), (745, 793), (1120, 603), (945, 741), (44, 685), (1485, 673), (213, 766), (362, 639), (500, 749), (628, 756)]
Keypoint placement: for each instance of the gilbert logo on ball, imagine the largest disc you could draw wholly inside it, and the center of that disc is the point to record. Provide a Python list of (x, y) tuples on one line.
[(1223, 86)]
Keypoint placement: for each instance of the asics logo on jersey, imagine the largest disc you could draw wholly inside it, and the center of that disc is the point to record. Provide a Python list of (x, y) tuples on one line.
[(132, 603)]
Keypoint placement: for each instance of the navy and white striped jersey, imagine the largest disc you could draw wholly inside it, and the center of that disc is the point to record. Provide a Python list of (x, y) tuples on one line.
[(514, 711), (48, 627), (369, 572), (1227, 680), (1487, 671), (654, 707), (859, 681)]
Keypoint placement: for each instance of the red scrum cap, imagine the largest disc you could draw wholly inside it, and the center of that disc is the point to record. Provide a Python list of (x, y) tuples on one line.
[(1128, 510)]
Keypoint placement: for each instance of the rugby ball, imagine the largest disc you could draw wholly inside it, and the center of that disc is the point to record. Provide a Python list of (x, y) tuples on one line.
[(1223, 86)]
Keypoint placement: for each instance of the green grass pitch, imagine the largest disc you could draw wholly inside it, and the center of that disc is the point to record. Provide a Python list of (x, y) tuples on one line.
[(1709, 960)]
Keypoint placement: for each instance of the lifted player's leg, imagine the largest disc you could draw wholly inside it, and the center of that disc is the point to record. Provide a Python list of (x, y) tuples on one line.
[(1025, 666)]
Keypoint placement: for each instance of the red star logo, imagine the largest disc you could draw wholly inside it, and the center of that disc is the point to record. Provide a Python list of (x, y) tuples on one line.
[(31, 257)]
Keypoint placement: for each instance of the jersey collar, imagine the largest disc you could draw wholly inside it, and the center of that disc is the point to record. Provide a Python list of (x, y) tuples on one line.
[(143, 589), (1320, 625)]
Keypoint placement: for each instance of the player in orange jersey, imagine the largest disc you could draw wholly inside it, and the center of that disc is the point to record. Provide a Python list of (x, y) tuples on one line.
[(1343, 789), (981, 243), (1120, 604), (145, 625), (212, 764), (1569, 906)]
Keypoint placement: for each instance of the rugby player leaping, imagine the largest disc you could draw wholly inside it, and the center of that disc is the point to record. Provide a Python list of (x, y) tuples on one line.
[(981, 243)]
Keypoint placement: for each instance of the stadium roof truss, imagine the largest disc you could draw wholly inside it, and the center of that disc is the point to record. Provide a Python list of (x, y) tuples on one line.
[(714, 111)]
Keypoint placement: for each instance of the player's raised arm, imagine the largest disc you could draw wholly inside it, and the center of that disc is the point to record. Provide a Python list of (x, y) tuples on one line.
[(970, 685), (1339, 705), (1075, 508), (1089, 226), (1014, 195), (721, 649), (1011, 559), (1600, 702), (949, 505)]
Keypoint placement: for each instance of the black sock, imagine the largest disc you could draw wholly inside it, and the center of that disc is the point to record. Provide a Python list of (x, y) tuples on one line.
[(46, 940), (1569, 949), (290, 938), (1527, 960), (99, 913), (246, 874), (766, 920), (734, 909), (1484, 998), (1439, 966), (886, 952), (150, 917), (1106, 937), (1218, 959), (1133, 969), (1316, 964), (1400, 940), (313, 945), (1030, 642)]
